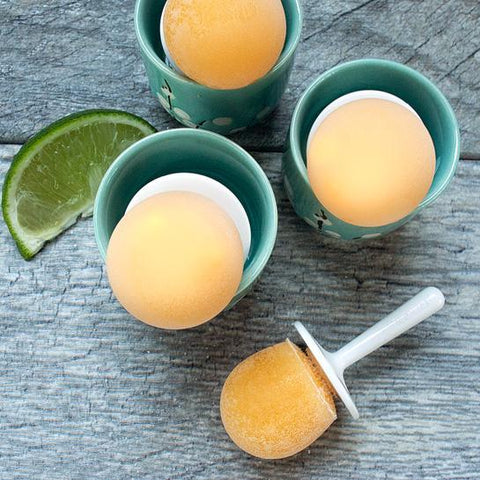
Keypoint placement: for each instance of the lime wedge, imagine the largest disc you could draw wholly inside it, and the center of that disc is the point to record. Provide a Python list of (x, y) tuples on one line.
[(54, 177)]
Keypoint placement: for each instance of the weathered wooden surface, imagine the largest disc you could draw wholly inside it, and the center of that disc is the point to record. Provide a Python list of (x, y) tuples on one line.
[(61, 56), (87, 392)]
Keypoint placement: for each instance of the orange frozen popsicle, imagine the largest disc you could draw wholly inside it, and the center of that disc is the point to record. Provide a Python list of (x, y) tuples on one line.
[(279, 400), (175, 260), (371, 162), (276, 402), (224, 44)]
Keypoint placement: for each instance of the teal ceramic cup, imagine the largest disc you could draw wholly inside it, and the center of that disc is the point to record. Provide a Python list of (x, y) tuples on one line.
[(194, 105), (194, 151), (371, 74)]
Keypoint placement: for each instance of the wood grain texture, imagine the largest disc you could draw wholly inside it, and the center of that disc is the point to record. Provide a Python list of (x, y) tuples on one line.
[(88, 392), (61, 56)]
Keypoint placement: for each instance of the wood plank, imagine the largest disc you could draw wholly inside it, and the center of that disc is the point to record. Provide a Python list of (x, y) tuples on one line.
[(87, 390), (60, 56)]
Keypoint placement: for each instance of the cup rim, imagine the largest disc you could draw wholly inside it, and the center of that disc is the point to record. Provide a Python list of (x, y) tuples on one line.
[(295, 126), (159, 63), (263, 255)]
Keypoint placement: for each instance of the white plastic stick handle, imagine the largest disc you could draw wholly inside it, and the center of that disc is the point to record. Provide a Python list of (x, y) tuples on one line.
[(417, 309)]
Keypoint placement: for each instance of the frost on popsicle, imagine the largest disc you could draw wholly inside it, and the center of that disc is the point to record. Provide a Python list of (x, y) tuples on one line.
[(275, 404)]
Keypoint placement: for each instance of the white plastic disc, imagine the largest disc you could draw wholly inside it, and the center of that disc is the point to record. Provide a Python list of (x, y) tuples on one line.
[(328, 369), (352, 97), (206, 186)]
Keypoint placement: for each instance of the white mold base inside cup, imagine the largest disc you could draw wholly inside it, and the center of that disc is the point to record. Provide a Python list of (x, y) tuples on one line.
[(353, 97), (209, 188)]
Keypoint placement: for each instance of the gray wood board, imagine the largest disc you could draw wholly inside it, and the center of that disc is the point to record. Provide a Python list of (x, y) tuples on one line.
[(88, 392), (58, 57)]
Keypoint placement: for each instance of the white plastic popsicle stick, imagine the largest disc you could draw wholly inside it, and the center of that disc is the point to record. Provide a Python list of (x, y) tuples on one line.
[(417, 309), (411, 313)]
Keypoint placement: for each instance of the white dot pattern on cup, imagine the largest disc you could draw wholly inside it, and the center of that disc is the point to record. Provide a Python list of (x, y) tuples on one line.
[(181, 114), (163, 101), (167, 93), (188, 123), (371, 235), (223, 121), (332, 234)]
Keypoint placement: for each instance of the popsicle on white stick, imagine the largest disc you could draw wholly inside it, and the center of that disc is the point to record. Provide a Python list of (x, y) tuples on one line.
[(280, 400)]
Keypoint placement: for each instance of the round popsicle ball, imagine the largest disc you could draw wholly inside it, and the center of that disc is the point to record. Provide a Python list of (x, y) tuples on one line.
[(276, 402), (175, 260), (224, 44), (371, 162)]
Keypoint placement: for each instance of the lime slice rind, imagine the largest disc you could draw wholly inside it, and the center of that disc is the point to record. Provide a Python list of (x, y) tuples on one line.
[(37, 206)]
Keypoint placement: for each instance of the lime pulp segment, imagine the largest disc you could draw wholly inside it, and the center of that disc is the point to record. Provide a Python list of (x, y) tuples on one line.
[(55, 176)]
